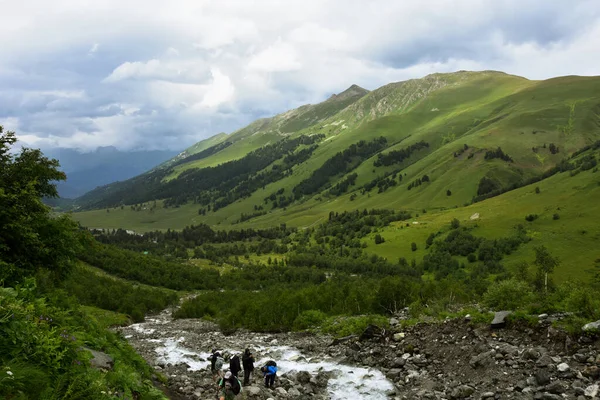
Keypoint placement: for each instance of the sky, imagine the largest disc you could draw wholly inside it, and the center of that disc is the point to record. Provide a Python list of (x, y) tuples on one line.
[(152, 74)]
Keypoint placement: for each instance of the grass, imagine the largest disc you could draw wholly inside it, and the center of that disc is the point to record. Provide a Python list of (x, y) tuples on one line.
[(105, 318), (483, 110)]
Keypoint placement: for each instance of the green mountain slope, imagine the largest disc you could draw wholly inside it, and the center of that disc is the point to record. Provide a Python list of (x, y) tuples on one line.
[(450, 139)]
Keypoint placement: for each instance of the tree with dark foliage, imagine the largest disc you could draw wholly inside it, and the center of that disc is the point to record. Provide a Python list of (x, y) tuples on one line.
[(30, 238)]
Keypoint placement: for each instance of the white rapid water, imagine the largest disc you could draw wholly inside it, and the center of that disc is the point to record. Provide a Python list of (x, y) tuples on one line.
[(347, 382)]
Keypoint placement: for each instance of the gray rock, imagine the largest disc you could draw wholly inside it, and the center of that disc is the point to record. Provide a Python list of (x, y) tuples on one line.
[(293, 392), (500, 319), (591, 391), (488, 395), (462, 392), (563, 367), (481, 359), (281, 391), (101, 360), (253, 391), (545, 361), (542, 377), (592, 326), (551, 396), (531, 354), (394, 321), (591, 372), (556, 387), (399, 362), (303, 377)]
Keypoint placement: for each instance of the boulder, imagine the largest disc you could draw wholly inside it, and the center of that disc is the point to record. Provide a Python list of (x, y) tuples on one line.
[(591, 371), (591, 391), (542, 377), (592, 326), (462, 391), (563, 367), (500, 319), (556, 387), (253, 391), (303, 377), (101, 360)]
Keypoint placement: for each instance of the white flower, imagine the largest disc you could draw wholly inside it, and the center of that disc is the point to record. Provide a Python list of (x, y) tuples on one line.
[(9, 373)]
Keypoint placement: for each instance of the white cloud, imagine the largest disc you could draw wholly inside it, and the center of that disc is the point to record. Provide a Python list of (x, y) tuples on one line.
[(278, 57), (151, 73), (221, 90)]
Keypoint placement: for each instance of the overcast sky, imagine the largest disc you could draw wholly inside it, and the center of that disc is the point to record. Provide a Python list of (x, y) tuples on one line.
[(155, 74)]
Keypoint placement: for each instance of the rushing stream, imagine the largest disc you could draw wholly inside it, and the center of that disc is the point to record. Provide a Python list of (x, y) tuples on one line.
[(167, 341)]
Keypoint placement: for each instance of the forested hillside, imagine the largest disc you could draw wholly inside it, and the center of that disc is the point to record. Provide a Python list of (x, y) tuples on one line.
[(471, 134)]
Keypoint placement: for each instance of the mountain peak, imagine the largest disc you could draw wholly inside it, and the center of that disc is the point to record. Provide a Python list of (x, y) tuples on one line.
[(352, 91)]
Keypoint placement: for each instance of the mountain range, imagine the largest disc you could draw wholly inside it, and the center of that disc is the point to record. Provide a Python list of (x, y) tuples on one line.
[(443, 146), (86, 171)]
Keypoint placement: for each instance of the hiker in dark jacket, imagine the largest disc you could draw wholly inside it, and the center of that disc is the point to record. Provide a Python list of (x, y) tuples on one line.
[(216, 365), (234, 365), (248, 363), (229, 387)]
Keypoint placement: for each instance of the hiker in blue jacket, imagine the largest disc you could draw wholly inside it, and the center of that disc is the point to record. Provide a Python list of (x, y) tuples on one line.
[(269, 371)]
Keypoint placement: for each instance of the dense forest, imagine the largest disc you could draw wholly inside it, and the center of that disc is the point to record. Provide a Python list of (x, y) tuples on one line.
[(340, 163), (215, 186)]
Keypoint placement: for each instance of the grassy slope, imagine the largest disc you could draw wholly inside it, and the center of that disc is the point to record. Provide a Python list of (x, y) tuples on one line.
[(484, 110)]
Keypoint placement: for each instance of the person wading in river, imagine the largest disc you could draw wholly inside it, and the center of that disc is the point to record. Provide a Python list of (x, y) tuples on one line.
[(248, 364)]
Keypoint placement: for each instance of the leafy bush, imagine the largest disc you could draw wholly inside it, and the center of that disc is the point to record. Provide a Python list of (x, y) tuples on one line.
[(41, 348), (510, 294), (345, 326), (309, 319), (115, 295), (531, 217)]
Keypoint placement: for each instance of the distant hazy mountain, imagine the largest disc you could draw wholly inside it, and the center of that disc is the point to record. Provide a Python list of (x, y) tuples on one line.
[(86, 171)]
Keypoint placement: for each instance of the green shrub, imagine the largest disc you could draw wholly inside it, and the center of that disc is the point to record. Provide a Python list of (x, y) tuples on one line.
[(41, 348), (510, 294), (309, 319), (584, 301), (345, 326), (531, 217)]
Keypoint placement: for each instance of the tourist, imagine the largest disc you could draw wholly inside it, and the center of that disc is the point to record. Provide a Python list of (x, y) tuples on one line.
[(248, 364), (229, 387), (270, 372), (234, 365)]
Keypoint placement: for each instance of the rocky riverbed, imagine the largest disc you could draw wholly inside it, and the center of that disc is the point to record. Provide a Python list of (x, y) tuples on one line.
[(456, 359), (308, 367)]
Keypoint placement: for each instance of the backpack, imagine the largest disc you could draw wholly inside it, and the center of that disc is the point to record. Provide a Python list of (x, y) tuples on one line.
[(232, 386), (218, 363)]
